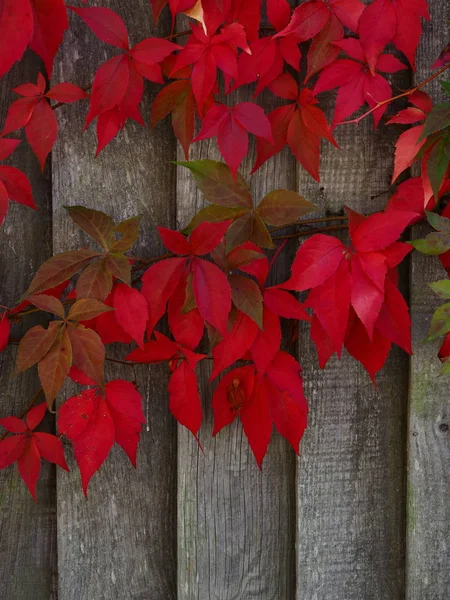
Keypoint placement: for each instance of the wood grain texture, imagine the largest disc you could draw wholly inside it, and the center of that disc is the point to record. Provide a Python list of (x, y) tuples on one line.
[(428, 531), (121, 543), (351, 480), (27, 529), (236, 524)]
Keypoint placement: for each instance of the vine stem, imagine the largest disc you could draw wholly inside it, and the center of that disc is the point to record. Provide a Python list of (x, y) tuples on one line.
[(26, 410), (309, 232), (389, 100)]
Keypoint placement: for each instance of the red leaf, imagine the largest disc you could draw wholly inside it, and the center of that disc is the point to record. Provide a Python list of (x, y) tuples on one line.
[(278, 13), (186, 327), (316, 260), (206, 237), (35, 416), (51, 449), (16, 28), (366, 297), (212, 294), (184, 401), (42, 130), (125, 399), (284, 305), (256, 419), (267, 341), (174, 241), (7, 147), (29, 463), (106, 24), (307, 20), (394, 322), (377, 26), (109, 87), (235, 344), (331, 304), (17, 186), (10, 449), (372, 354), (131, 311), (380, 230), (5, 328), (288, 414), (155, 351), (324, 344), (19, 113), (13, 424), (406, 149), (233, 391), (66, 92), (158, 284), (50, 22), (348, 12)]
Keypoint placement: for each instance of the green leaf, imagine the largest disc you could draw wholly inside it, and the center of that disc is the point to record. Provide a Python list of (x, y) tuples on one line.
[(437, 165), (437, 119), (129, 230), (247, 297), (94, 222), (434, 244), (58, 269), (216, 182), (445, 367), (445, 86), (437, 222), (441, 288), (281, 207), (440, 323), (214, 214)]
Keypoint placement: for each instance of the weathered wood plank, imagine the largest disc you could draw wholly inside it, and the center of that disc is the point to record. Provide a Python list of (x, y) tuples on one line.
[(236, 523), (121, 543), (27, 529), (428, 520), (351, 482)]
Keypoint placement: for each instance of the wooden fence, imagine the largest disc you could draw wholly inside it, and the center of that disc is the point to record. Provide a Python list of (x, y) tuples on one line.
[(363, 514)]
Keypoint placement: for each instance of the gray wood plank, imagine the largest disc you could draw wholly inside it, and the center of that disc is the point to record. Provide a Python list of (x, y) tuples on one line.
[(27, 529), (236, 523), (351, 480), (121, 543), (428, 518)]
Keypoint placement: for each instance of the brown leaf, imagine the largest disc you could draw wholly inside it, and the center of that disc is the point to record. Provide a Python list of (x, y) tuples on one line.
[(129, 230), (120, 267), (94, 222), (215, 181), (189, 302), (55, 365), (58, 269), (247, 297), (49, 304), (95, 281), (86, 309), (88, 352), (281, 207), (35, 344)]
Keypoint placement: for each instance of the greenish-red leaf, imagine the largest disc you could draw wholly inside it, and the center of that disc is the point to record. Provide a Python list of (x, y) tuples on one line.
[(441, 288), (239, 231), (129, 230), (58, 269), (214, 214), (119, 266), (94, 222), (260, 234), (49, 304), (281, 207), (35, 344), (440, 323), (434, 244), (54, 366), (437, 165), (247, 297), (439, 223), (86, 309), (95, 281), (216, 182), (445, 367), (242, 258), (437, 119), (446, 86), (88, 352)]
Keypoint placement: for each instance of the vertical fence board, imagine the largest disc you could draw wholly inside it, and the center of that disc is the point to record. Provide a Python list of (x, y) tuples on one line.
[(351, 470), (121, 543), (428, 519), (27, 529), (236, 523)]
